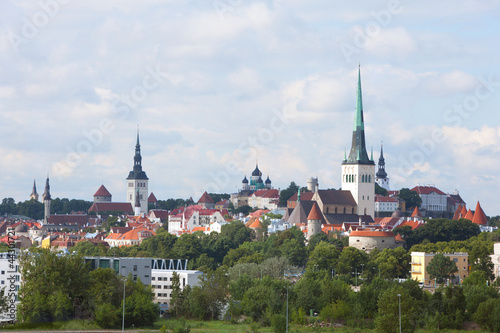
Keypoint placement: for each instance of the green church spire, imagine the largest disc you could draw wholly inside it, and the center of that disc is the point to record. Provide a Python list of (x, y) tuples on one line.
[(358, 153)]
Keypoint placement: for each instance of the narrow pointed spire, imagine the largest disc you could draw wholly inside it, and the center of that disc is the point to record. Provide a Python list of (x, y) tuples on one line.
[(46, 193), (298, 196), (371, 155), (358, 153)]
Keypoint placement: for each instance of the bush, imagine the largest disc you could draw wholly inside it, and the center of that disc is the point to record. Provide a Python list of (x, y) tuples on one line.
[(278, 323)]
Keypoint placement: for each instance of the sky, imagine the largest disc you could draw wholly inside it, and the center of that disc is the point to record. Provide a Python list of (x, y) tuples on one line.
[(216, 86)]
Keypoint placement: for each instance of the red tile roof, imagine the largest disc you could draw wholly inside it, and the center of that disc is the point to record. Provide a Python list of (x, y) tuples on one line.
[(102, 192), (259, 212), (125, 207), (304, 196), (368, 233), (380, 198), (205, 198), (456, 215), (469, 215), (161, 214), (152, 198), (315, 213), (427, 190), (416, 212), (479, 215), (463, 212), (413, 224)]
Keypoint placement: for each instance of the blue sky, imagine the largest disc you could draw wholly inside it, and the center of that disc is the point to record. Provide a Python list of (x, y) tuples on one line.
[(217, 85)]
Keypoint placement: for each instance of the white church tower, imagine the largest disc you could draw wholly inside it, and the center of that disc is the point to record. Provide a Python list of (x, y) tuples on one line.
[(358, 170), (137, 182)]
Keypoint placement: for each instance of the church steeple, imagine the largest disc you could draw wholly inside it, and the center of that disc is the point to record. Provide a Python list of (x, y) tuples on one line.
[(137, 172), (46, 193), (34, 193), (46, 201), (137, 182), (381, 164), (358, 153)]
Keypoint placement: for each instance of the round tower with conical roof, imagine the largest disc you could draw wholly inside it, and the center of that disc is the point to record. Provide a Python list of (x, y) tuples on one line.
[(314, 220)]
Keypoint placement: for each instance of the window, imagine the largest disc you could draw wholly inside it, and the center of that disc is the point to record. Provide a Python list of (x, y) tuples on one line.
[(153, 278), (135, 268), (159, 278), (3, 272), (455, 259)]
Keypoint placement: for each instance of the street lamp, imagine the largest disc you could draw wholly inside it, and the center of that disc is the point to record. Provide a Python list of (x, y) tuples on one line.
[(123, 316), (399, 296)]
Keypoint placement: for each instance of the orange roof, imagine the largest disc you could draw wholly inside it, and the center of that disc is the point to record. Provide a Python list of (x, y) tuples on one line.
[(315, 213), (259, 212), (463, 212), (399, 238), (469, 215), (368, 233), (413, 224), (195, 229), (479, 215), (456, 215), (416, 212), (256, 224)]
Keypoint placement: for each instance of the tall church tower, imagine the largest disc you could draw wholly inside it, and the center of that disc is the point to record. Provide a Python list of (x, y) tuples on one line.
[(34, 193), (137, 181), (381, 177), (358, 170), (46, 201)]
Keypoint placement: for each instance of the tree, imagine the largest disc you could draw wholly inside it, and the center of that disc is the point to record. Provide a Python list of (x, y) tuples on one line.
[(441, 267), (351, 259), (55, 286), (388, 313), (411, 198), (287, 193), (394, 263), (380, 190), (324, 256)]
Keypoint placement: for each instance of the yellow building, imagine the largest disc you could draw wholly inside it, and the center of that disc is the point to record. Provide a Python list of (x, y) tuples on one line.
[(420, 261)]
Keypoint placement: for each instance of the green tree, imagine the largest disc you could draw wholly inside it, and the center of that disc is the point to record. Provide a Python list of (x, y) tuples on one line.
[(441, 268), (55, 286), (394, 263), (411, 198), (350, 260), (380, 190), (287, 193), (324, 257), (388, 313)]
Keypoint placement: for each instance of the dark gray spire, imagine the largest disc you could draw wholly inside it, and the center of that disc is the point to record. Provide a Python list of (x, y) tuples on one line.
[(137, 172), (46, 193)]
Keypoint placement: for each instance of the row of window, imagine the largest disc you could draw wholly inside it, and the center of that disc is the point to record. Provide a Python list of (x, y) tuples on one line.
[(352, 178), (163, 295), (159, 287)]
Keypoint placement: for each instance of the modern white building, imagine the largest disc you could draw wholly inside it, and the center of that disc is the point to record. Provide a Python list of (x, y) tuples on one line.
[(162, 277)]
